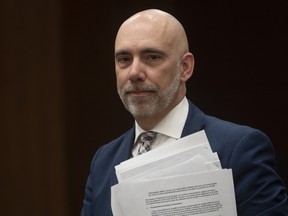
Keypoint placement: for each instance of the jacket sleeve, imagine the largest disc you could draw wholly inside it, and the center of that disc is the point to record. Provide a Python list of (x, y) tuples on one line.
[(87, 207), (259, 189)]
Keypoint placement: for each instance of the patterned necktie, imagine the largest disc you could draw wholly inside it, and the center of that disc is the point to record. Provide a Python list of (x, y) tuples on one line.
[(145, 141)]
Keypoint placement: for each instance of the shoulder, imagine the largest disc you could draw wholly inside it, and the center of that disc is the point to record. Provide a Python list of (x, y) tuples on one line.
[(228, 137), (220, 132), (223, 129)]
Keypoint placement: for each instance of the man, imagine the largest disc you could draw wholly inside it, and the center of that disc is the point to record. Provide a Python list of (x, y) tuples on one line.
[(153, 64)]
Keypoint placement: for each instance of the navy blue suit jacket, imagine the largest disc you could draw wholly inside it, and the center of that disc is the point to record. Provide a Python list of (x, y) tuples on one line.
[(258, 188)]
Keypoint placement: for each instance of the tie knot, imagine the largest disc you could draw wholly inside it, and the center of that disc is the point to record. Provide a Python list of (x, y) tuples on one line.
[(145, 141), (148, 136)]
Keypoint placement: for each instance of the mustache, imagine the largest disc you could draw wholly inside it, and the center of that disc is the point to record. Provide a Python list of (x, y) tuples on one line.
[(129, 87)]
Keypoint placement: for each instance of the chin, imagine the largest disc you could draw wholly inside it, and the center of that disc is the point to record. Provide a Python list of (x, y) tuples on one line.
[(142, 113)]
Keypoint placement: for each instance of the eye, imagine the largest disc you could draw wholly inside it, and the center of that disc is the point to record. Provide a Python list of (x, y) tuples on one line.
[(123, 59), (153, 57)]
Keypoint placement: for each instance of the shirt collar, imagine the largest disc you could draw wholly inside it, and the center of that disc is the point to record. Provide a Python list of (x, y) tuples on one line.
[(172, 124)]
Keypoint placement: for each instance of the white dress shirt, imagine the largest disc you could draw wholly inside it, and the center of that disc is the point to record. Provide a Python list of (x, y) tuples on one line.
[(170, 128)]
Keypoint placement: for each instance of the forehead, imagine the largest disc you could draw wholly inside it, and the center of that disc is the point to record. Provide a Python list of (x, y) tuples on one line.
[(140, 35)]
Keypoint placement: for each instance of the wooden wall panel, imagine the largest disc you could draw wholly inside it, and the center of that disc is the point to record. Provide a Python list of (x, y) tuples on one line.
[(58, 99), (33, 164)]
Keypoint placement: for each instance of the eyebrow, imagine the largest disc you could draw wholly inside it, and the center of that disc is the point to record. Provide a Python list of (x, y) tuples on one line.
[(152, 50), (121, 52), (144, 51)]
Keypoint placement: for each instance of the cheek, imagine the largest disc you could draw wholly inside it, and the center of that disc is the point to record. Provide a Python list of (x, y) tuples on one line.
[(121, 78), (165, 79)]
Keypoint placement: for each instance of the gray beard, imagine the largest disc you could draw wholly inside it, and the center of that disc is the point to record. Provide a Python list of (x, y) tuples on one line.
[(151, 104)]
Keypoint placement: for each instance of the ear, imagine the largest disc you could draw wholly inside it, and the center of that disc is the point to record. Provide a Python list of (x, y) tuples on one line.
[(187, 63)]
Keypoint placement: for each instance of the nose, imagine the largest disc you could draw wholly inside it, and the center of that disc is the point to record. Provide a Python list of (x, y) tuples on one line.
[(136, 72)]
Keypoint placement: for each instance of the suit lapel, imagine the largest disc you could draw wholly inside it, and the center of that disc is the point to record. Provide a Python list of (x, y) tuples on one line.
[(123, 153), (195, 120)]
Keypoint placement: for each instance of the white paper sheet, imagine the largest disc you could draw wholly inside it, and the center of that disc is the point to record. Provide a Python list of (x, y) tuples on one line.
[(173, 147), (183, 178), (205, 194)]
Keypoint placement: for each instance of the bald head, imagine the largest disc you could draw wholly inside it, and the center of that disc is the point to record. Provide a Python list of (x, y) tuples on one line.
[(152, 64), (156, 24)]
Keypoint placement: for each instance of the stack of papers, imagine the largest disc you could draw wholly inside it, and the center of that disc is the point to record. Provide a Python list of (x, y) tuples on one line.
[(184, 177)]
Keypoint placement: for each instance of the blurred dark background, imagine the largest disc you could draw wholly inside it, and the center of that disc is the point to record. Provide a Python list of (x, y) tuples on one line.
[(58, 100)]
